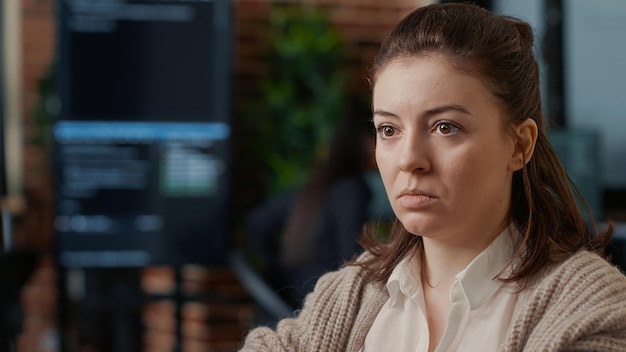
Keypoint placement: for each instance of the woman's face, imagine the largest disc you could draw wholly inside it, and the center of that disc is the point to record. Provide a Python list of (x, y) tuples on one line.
[(442, 150)]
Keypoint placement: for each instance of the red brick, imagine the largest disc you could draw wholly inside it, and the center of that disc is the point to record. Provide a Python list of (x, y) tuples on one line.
[(37, 7), (38, 35)]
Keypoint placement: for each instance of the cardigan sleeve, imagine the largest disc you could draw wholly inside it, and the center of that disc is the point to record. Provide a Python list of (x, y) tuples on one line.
[(325, 322), (577, 305)]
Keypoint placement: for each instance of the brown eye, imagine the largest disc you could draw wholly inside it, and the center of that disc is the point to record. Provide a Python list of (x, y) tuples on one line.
[(388, 131), (445, 128)]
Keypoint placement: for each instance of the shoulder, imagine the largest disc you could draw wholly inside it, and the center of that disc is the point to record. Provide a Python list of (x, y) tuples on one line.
[(349, 276), (335, 315), (579, 301), (342, 293), (348, 301), (583, 275), (584, 267)]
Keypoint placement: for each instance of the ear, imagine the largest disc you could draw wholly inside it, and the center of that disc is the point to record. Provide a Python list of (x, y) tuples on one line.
[(525, 136)]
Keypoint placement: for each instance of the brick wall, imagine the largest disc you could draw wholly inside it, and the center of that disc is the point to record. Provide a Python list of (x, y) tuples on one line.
[(362, 23), (32, 227)]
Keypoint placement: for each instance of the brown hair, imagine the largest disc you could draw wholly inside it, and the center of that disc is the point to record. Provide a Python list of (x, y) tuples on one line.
[(498, 50)]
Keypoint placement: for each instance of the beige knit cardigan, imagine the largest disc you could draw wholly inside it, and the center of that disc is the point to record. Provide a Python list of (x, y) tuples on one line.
[(577, 305)]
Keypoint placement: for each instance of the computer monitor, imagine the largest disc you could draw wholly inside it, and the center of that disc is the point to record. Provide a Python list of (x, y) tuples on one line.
[(141, 132)]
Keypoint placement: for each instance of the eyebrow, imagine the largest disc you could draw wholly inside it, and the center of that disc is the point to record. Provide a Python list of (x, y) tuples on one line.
[(428, 113)]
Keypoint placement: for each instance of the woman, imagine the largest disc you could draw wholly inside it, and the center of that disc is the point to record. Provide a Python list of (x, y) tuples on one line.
[(490, 252), (304, 233)]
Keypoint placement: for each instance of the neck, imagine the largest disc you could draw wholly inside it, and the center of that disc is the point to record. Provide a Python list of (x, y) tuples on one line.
[(442, 261)]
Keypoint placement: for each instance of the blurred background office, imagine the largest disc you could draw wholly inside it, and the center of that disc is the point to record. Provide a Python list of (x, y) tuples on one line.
[(211, 108)]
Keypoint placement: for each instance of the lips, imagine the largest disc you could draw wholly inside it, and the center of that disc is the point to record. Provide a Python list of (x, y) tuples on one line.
[(415, 199)]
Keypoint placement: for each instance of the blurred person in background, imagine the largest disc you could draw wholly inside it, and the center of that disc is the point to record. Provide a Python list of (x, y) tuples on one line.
[(313, 229)]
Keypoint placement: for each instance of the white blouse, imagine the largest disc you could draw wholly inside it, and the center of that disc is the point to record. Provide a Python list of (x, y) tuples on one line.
[(478, 320)]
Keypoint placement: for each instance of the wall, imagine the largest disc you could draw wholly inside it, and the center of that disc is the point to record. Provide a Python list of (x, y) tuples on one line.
[(363, 23)]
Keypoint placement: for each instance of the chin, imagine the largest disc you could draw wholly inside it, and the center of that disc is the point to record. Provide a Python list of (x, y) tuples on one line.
[(417, 225), (417, 230)]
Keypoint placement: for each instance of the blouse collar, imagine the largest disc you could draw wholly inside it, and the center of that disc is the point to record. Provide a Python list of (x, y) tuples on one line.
[(477, 281)]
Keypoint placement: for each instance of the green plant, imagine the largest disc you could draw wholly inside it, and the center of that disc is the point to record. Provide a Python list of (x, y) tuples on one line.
[(42, 119), (302, 97)]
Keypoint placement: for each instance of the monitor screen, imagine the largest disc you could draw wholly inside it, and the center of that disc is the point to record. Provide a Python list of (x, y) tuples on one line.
[(142, 132)]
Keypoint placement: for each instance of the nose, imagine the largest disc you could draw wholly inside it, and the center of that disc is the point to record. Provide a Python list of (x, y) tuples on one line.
[(414, 154)]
